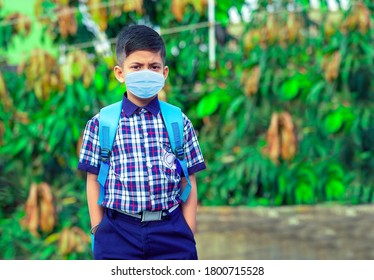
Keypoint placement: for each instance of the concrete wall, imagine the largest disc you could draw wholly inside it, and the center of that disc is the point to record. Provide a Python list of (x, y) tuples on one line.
[(286, 233)]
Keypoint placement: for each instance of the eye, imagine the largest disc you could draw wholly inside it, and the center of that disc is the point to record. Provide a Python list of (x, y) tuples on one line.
[(155, 67), (135, 67)]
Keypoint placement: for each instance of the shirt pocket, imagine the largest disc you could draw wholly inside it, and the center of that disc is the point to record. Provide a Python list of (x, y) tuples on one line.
[(168, 163), (120, 168)]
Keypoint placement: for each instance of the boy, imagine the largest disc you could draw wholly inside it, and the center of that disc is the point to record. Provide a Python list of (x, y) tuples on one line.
[(144, 176)]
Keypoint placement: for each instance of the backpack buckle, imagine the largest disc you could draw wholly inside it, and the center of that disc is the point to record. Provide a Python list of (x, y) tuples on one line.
[(105, 155), (179, 153)]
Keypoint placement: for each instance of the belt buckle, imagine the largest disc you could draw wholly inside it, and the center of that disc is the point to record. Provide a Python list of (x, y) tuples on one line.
[(151, 216)]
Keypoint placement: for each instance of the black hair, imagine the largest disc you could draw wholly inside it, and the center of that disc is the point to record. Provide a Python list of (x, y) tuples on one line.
[(138, 37)]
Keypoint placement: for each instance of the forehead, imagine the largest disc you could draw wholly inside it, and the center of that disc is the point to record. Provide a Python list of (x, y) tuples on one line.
[(143, 56)]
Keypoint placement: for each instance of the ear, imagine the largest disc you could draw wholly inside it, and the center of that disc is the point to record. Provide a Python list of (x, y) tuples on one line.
[(120, 75), (166, 72)]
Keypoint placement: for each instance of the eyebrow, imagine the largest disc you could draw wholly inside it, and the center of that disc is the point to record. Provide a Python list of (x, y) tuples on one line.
[(136, 63), (152, 64)]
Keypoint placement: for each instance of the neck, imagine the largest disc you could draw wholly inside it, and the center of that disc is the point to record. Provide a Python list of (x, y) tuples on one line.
[(139, 101)]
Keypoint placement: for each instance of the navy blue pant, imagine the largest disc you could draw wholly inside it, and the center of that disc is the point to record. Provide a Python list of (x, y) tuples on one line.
[(121, 237)]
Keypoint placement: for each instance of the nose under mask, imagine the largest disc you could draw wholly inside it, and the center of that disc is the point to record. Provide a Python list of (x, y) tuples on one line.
[(144, 84)]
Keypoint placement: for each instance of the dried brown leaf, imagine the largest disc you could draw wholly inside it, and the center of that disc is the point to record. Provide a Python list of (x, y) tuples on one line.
[(332, 66), (115, 9), (31, 220), (63, 242), (252, 82), (363, 18), (47, 210), (4, 97), (177, 8), (67, 23), (273, 140), (288, 137)]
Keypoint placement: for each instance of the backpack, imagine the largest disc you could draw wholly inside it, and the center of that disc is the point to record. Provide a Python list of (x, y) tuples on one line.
[(108, 124)]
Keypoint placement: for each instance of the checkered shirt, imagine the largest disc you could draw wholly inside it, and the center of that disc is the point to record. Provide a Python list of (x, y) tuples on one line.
[(144, 174)]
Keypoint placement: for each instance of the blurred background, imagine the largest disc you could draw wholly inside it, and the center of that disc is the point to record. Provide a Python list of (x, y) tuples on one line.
[(279, 92)]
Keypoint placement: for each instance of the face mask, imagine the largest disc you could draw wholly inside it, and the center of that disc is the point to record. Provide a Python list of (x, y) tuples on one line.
[(144, 84)]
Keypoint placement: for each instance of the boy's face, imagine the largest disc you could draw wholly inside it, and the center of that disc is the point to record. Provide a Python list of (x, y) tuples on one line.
[(141, 60), (137, 61)]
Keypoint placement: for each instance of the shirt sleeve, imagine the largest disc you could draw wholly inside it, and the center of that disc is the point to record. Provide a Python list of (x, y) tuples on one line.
[(194, 156), (90, 150)]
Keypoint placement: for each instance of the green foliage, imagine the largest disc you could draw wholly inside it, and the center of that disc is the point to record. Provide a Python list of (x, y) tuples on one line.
[(313, 76), (315, 65)]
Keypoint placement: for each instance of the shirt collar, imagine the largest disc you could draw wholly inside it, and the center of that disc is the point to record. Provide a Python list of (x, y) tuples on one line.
[(129, 108)]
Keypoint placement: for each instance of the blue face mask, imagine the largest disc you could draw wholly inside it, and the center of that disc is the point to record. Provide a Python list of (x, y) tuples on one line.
[(144, 84)]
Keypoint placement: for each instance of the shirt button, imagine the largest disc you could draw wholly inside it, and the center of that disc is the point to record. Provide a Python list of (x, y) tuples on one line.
[(145, 134), (149, 165), (152, 196)]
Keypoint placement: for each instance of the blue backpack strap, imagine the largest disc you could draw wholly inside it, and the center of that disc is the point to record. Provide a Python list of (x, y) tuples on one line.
[(173, 120), (108, 123)]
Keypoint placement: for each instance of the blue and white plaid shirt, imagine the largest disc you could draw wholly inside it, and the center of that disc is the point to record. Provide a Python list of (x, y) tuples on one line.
[(144, 174)]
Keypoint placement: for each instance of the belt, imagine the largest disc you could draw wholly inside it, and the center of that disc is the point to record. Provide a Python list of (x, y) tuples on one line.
[(150, 216)]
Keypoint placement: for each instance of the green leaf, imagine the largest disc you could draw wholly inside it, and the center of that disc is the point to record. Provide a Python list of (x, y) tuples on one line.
[(347, 68), (335, 190), (207, 105), (99, 81), (47, 252), (304, 194), (333, 122), (306, 175), (335, 171), (75, 128), (315, 91), (263, 201), (16, 146), (82, 93), (67, 74), (289, 89), (278, 200), (265, 86), (56, 135), (76, 70), (365, 119), (282, 184), (348, 116), (368, 49), (234, 106)]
